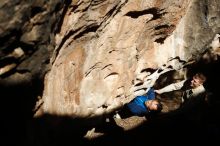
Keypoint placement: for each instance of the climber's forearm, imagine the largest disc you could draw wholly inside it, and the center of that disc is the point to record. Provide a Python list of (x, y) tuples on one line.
[(171, 87)]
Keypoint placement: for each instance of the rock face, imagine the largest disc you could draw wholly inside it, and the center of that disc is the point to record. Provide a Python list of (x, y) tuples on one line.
[(101, 53), (107, 52)]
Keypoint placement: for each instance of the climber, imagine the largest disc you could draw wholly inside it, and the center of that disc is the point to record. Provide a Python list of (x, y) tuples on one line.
[(141, 106), (191, 87)]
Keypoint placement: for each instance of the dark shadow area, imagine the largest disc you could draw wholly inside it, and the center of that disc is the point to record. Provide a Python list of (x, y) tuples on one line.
[(161, 39), (57, 130), (17, 102), (125, 112), (90, 28), (180, 127), (54, 130), (108, 125), (157, 13), (65, 8)]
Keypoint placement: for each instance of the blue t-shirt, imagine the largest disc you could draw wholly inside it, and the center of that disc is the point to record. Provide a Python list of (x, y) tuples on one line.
[(137, 105)]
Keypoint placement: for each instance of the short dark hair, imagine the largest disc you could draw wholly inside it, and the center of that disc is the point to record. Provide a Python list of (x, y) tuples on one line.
[(159, 107)]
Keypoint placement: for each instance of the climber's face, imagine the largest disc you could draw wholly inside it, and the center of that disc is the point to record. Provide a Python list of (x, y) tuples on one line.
[(195, 82), (152, 104)]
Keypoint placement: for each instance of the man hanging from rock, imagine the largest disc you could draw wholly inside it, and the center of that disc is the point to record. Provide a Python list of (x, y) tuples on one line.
[(141, 106)]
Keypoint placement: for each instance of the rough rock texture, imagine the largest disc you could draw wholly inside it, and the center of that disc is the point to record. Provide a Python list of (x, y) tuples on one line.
[(27, 26), (101, 53), (107, 52), (98, 55)]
